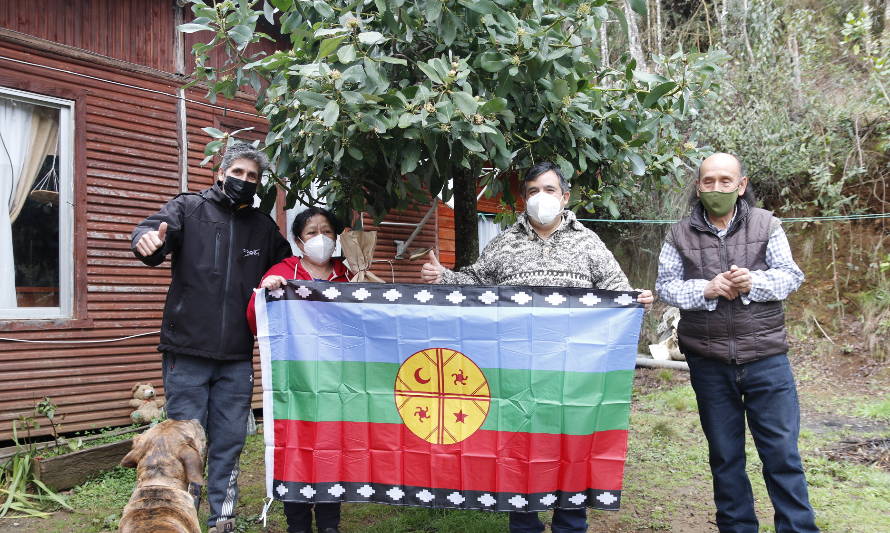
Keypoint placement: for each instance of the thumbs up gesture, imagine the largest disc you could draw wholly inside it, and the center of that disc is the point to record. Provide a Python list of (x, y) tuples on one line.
[(431, 272), (151, 241)]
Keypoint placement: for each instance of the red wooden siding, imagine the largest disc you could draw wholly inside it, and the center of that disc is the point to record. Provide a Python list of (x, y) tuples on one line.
[(127, 166), (401, 270), (138, 31)]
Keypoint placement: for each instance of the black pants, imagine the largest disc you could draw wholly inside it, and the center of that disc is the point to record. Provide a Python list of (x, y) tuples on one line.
[(299, 516), (217, 393)]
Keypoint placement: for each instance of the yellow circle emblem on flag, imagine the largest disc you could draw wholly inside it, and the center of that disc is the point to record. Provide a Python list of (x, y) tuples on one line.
[(441, 395)]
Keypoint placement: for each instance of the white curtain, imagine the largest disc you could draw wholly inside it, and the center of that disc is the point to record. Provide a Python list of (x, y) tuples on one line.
[(15, 129), (488, 230), (44, 141)]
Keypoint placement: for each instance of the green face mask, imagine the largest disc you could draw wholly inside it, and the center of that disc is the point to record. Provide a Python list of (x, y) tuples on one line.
[(717, 203)]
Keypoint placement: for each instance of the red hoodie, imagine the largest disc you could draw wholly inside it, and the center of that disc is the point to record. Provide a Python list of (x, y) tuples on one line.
[(292, 268)]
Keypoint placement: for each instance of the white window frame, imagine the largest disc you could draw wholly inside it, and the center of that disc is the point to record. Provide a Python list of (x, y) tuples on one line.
[(66, 209)]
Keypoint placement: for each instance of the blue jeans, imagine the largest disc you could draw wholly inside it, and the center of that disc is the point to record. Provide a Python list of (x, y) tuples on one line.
[(765, 393), (564, 521)]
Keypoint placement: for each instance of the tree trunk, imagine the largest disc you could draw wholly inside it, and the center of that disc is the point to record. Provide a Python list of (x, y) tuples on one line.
[(658, 28), (745, 30), (885, 39), (604, 44), (633, 36), (466, 224), (795, 70), (721, 18)]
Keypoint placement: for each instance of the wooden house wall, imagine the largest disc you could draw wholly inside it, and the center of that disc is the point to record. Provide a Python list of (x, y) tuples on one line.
[(126, 166), (141, 32), (138, 31), (386, 265)]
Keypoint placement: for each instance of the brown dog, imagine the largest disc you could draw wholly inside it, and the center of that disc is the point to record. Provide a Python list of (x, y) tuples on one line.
[(170, 459)]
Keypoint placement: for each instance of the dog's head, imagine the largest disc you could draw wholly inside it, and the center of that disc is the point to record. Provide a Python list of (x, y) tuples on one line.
[(172, 450)]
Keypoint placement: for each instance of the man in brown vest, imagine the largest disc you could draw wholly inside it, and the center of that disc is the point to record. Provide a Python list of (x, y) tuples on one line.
[(728, 267)]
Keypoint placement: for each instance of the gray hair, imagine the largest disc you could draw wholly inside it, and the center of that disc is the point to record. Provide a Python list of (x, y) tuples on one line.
[(242, 150)]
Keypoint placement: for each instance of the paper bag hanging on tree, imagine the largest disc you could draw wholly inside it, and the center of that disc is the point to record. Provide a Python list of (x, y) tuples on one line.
[(358, 249)]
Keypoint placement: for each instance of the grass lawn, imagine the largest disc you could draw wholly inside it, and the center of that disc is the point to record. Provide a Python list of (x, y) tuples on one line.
[(667, 482)]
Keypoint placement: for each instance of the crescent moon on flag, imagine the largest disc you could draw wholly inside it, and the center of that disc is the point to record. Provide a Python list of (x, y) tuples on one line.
[(418, 378)]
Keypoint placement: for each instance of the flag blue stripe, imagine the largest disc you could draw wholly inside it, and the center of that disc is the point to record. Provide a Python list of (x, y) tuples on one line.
[(562, 339)]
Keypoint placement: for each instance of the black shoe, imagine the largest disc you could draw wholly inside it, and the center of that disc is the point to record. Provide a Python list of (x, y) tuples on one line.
[(329, 530)]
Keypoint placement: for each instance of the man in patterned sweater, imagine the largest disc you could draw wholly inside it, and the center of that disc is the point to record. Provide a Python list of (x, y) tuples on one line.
[(728, 267), (547, 246)]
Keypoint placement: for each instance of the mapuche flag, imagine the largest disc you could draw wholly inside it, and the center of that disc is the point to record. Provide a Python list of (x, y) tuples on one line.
[(473, 397)]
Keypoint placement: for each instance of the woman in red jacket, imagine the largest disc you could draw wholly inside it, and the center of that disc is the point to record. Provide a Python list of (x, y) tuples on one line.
[(315, 231)]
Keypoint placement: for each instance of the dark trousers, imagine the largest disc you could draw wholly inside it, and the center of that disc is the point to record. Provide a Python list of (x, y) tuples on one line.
[(299, 516), (564, 521), (764, 392), (217, 393)]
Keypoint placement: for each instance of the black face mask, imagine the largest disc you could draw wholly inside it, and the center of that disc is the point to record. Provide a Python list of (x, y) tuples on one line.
[(239, 191)]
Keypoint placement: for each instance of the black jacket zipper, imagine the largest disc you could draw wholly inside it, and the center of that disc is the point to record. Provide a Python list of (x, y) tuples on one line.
[(225, 307)]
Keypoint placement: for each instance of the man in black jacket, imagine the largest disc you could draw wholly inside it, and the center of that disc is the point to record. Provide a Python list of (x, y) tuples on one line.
[(220, 247)]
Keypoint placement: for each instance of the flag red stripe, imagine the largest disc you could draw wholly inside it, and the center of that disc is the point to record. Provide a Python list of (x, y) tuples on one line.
[(318, 452)]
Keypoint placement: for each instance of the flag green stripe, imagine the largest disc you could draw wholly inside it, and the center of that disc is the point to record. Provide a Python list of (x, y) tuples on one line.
[(530, 401)]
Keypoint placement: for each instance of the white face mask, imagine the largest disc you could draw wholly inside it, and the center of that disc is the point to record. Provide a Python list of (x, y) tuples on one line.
[(319, 249), (543, 207)]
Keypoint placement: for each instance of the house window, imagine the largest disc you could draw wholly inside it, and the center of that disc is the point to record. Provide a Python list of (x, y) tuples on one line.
[(36, 213)]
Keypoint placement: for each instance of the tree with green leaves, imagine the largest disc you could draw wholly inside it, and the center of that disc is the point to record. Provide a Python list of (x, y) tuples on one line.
[(378, 103)]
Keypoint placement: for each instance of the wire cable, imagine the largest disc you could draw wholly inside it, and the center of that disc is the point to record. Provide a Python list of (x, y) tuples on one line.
[(80, 342), (864, 216), (127, 85)]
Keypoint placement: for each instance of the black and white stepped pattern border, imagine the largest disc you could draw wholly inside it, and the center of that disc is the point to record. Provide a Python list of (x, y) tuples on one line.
[(454, 295), (608, 500)]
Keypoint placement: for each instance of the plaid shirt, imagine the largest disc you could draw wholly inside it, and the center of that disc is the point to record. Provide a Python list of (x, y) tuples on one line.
[(781, 279)]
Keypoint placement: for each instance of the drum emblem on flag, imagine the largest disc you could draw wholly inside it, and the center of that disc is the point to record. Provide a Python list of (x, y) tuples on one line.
[(441, 395)]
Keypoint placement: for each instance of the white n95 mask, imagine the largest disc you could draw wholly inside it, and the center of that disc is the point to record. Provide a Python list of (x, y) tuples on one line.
[(319, 249), (543, 207)]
